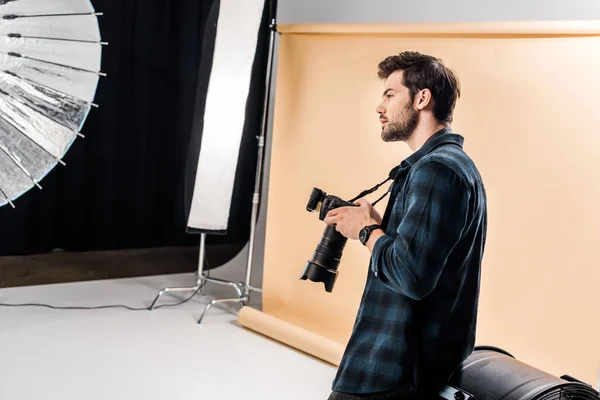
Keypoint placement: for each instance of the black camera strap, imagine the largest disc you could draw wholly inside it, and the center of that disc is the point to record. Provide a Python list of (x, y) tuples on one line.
[(391, 176), (382, 197)]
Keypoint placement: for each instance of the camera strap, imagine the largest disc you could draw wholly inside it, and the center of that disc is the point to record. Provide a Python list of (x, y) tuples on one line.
[(382, 197), (391, 176)]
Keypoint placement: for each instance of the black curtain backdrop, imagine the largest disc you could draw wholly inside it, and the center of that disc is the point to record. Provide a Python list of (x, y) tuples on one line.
[(124, 185)]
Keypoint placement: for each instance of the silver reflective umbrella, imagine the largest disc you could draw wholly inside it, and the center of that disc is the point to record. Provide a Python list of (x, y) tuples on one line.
[(50, 54)]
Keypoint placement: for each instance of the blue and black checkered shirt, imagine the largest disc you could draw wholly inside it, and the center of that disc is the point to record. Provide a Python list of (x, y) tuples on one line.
[(417, 318)]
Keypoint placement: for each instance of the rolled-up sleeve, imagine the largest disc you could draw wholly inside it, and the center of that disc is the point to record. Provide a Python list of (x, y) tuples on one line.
[(435, 214)]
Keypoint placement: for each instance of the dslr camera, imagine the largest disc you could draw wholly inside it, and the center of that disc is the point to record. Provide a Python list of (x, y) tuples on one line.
[(323, 266)]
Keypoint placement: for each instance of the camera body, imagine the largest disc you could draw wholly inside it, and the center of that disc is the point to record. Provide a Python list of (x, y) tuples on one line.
[(319, 200), (323, 265)]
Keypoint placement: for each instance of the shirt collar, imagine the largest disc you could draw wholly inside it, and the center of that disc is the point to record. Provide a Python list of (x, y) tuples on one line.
[(443, 136)]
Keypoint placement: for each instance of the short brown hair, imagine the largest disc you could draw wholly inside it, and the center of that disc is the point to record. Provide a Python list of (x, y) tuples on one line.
[(423, 71)]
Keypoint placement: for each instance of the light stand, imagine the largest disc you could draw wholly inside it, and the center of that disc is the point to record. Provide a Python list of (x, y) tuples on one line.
[(243, 289)]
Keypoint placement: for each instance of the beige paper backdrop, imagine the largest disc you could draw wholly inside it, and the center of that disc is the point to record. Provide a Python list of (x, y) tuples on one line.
[(531, 120)]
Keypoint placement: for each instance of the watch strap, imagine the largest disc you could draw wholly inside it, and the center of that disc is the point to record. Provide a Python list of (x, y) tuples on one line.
[(368, 230)]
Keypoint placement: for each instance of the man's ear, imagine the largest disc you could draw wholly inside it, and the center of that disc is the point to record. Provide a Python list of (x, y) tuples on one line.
[(423, 99)]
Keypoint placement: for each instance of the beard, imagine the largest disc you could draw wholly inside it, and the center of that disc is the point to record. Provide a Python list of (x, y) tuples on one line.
[(402, 126)]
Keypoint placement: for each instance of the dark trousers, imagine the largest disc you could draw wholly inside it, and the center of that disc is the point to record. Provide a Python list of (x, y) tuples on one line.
[(400, 394)]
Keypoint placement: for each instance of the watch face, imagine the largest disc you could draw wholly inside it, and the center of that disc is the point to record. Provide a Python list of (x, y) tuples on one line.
[(363, 235)]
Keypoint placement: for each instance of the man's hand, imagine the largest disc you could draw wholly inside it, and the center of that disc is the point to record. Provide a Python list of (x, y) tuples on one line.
[(350, 220)]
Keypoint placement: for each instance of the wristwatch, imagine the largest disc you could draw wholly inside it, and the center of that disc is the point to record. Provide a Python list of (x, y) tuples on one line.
[(365, 233)]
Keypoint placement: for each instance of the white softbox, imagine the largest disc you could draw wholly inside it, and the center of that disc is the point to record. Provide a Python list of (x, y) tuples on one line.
[(236, 40)]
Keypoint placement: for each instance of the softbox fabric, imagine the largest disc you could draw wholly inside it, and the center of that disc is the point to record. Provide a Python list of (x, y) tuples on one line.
[(229, 101)]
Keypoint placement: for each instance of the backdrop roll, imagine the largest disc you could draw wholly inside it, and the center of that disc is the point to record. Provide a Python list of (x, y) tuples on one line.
[(529, 120)]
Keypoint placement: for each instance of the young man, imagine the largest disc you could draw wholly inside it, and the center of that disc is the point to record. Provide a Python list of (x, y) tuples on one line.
[(417, 318)]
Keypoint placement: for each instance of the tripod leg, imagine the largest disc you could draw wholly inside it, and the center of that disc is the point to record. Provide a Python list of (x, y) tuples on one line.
[(200, 277), (242, 300), (174, 289)]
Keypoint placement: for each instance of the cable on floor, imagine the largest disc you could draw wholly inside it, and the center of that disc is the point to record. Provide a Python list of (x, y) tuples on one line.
[(113, 305)]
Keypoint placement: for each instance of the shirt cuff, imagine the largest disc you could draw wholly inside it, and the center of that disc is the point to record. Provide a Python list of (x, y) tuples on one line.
[(376, 253)]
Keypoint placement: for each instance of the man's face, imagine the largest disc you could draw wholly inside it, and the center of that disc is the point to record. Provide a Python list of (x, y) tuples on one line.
[(396, 112)]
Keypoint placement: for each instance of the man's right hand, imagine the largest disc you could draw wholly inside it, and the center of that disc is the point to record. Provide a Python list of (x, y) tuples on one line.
[(375, 215)]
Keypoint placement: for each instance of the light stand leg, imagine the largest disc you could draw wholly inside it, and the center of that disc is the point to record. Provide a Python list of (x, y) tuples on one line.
[(200, 277), (241, 289), (217, 301)]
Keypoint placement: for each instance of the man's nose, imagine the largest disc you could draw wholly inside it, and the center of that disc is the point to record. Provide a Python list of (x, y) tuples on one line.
[(380, 110)]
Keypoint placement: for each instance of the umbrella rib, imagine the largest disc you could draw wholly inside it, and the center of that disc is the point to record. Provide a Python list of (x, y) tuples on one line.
[(14, 160), (6, 198), (33, 141), (15, 16), (49, 88), (19, 36), (18, 55)]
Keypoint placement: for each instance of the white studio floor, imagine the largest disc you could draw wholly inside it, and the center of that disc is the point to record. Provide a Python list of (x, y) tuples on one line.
[(141, 355)]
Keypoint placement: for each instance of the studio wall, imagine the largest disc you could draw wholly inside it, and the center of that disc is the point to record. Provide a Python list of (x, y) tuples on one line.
[(528, 117)]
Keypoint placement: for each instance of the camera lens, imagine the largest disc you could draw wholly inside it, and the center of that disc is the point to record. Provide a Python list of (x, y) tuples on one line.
[(329, 250), (323, 265)]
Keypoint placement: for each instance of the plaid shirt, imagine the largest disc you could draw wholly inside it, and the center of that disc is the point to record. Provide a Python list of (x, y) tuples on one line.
[(417, 318)]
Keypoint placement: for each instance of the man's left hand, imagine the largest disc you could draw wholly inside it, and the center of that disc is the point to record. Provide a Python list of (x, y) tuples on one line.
[(350, 220)]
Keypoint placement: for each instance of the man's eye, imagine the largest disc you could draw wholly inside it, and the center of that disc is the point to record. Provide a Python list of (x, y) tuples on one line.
[(389, 96)]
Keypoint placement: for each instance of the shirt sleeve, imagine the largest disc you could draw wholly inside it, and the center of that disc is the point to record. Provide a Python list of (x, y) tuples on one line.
[(436, 208)]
